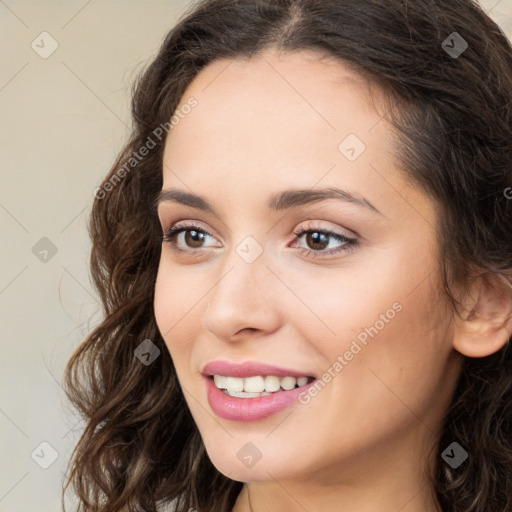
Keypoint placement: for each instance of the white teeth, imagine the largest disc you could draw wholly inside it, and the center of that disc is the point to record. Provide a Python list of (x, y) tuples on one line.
[(254, 384), (258, 385), (234, 384), (288, 383), (302, 381), (272, 383), (220, 381), (243, 394)]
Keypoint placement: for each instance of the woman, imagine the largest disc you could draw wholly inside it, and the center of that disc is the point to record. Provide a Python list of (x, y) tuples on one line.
[(304, 254)]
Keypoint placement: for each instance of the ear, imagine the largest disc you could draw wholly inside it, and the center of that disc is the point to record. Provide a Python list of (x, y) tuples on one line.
[(485, 324)]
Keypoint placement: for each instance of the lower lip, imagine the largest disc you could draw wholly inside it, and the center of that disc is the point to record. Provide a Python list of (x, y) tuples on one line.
[(250, 409)]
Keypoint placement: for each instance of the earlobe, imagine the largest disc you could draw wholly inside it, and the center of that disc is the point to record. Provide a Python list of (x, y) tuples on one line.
[(485, 324)]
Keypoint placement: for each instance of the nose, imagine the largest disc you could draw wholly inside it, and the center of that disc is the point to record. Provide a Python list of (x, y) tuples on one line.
[(244, 301)]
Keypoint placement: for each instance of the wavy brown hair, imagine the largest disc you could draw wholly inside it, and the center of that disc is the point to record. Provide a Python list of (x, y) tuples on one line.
[(140, 448)]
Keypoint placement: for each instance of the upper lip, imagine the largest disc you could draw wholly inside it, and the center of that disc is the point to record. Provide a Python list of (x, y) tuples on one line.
[(249, 369)]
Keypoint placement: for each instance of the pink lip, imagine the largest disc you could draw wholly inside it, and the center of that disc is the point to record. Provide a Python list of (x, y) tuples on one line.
[(249, 369), (249, 409)]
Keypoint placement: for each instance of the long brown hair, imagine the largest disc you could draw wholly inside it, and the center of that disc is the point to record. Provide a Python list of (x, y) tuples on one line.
[(141, 448)]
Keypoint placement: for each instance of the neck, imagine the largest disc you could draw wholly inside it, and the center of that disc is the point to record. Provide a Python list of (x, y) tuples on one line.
[(254, 499)]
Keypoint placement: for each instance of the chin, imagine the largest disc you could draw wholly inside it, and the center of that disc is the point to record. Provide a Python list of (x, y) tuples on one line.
[(241, 462)]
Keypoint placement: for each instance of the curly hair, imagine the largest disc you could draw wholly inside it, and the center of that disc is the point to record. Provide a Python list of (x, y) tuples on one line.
[(140, 448)]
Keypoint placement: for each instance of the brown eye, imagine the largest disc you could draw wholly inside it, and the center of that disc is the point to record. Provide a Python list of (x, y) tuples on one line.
[(317, 240), (193, 238)]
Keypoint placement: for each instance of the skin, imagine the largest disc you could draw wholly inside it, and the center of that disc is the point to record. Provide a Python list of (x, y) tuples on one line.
[(267, 124)]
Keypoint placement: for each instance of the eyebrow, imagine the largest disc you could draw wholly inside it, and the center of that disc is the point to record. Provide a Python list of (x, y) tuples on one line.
[(285, 200)]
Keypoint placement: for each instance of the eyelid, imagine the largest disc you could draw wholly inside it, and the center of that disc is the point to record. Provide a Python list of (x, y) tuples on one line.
[(310, 225), (177, 228), (307, 225), (186, 224), (349, 242)]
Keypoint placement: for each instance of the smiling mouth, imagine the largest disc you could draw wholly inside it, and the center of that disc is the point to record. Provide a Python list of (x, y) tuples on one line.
[(259, 385)]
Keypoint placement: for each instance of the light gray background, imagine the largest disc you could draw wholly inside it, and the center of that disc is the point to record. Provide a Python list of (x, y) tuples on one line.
[(62, 121)]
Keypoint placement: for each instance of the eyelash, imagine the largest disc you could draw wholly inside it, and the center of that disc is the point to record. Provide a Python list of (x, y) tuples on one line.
[(349, 245)]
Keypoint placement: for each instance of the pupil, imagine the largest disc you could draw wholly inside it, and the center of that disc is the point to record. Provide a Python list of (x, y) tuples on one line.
[(318, 238), (194, 238)]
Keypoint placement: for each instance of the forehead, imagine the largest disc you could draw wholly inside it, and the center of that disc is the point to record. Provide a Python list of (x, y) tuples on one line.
[(279, 120), (304, 93)]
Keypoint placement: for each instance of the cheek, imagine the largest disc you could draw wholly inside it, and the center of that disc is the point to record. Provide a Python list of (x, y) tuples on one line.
[(357, 304), (394, 354), (388, 333), (173, 307), (164, 300)]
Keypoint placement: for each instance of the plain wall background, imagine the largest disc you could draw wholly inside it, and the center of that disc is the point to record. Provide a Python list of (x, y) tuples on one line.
[(62, 121)]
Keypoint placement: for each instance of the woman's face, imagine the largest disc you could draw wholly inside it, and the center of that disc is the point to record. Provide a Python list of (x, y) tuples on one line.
[(359, 308)]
